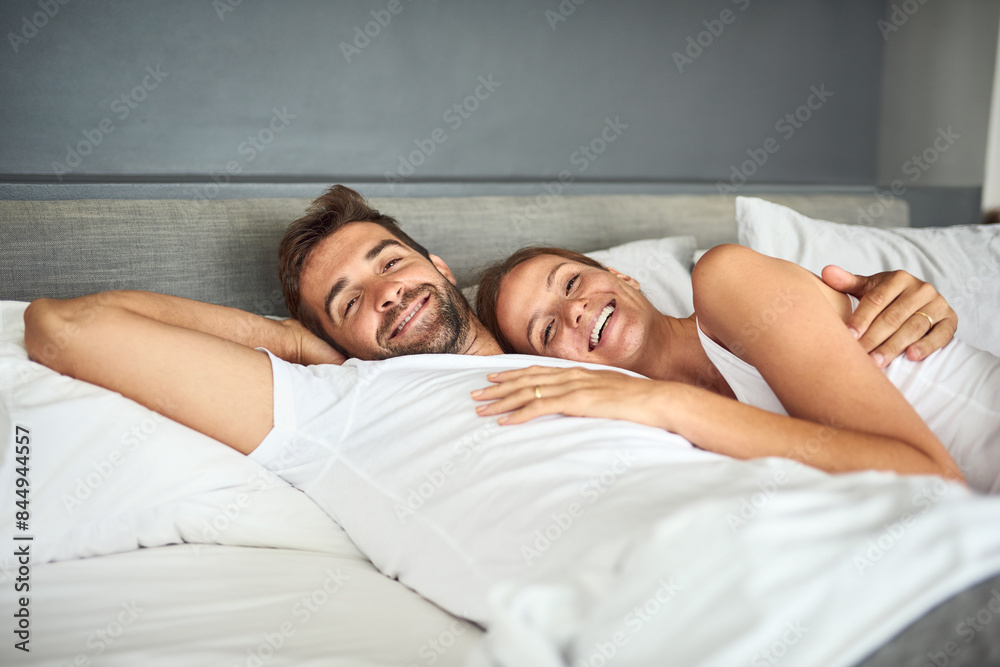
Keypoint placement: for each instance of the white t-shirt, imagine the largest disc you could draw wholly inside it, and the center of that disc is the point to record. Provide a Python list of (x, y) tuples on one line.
[(578, 518), (395, 452)]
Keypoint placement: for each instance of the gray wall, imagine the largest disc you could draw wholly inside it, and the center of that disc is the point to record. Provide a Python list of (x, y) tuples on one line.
[(352, 120), (224, 73), (938, 75)]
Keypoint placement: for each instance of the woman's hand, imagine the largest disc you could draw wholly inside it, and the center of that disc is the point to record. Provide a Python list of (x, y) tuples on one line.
[(310, 349), (575, 392)]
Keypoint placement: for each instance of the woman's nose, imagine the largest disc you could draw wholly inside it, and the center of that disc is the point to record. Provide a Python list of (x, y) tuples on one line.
[(574, 310)]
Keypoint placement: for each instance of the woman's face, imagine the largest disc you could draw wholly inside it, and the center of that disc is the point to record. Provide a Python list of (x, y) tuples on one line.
[(557, 307)]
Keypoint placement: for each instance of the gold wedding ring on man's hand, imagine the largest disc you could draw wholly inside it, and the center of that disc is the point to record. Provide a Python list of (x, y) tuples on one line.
[(538, 391), (929, 318)]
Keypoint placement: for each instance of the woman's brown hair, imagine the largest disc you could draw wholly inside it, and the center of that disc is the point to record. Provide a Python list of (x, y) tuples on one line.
[(491, 278)]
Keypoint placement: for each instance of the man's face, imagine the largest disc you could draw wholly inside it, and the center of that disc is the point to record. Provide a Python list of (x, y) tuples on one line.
[(379, 298)]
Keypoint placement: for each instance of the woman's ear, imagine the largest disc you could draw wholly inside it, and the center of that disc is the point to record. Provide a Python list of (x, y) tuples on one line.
[(443, 269), (629, 280)]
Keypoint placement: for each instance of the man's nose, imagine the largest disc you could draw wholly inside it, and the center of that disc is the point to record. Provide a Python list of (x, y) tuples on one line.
[(388, 293)]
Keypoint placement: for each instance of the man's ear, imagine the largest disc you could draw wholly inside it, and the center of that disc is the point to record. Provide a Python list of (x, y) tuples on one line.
[(629, 280), (443, 268)]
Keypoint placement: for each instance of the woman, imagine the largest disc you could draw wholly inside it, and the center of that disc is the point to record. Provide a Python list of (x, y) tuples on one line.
[(758, 319)]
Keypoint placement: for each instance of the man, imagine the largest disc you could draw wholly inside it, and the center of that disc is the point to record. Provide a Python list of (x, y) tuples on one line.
[(378, 442)]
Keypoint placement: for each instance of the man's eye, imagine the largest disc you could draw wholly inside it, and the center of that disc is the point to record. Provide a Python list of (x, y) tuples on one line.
[(390, 263), (547, 334), (572, 280), (350, 303)]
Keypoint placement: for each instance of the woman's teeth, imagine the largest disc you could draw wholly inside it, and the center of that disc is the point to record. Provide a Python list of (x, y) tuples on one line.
[(602, 319)]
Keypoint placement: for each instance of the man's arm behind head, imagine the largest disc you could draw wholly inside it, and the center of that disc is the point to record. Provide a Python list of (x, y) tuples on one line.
[(172, 355)]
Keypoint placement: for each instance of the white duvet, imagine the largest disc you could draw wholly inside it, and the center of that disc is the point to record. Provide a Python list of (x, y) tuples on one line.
[(784, 565)]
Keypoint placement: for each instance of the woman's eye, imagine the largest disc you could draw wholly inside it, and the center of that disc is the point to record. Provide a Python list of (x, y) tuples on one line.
[(572, 280), (547, 334), (350, 303)]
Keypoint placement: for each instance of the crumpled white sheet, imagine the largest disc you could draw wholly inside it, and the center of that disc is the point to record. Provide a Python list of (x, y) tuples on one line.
[(812, 570)]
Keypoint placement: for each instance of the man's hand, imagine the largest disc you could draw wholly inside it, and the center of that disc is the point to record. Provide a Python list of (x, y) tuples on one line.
[(311, 349), (897, 312)]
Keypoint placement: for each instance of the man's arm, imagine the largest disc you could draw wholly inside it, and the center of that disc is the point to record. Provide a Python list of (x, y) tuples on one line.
[(897, 313), (190, 361)]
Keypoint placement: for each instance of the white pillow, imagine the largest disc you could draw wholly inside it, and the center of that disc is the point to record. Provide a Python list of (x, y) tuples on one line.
[(662, 267), (962, 262), (108, 475)]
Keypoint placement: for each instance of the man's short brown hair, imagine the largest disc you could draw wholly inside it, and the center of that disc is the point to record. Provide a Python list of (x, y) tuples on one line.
[(335, 208)]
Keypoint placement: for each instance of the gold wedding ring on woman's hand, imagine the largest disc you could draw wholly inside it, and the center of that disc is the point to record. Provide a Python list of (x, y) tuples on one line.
[(538, 391)]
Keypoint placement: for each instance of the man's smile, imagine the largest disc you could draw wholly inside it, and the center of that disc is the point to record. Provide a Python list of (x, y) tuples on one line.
[(403, 322)]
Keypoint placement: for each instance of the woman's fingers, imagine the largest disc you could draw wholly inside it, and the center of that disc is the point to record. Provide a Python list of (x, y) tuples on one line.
[(530, 371), (540, 376), (939, 336), (515, 398)]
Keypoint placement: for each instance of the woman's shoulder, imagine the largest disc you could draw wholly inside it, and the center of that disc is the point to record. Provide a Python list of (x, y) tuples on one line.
[(731, 280)]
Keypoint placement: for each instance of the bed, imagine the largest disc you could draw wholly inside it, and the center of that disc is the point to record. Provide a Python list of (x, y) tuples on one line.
[(152, 544)]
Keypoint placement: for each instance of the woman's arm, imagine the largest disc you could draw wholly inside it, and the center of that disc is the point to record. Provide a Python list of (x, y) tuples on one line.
[(708, 420), (813, 365)]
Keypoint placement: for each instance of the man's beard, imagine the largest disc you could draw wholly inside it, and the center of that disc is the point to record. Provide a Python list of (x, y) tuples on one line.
[(445, 332)]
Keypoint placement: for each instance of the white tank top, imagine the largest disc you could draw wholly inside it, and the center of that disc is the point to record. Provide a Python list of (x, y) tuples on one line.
[(955, 390)]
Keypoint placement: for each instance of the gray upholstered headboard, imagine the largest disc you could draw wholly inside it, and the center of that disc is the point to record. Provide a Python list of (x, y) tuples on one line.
[(225, 251)]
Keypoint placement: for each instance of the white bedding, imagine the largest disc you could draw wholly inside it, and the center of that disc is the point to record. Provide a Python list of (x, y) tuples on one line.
[(225, 605), (813, 569)]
